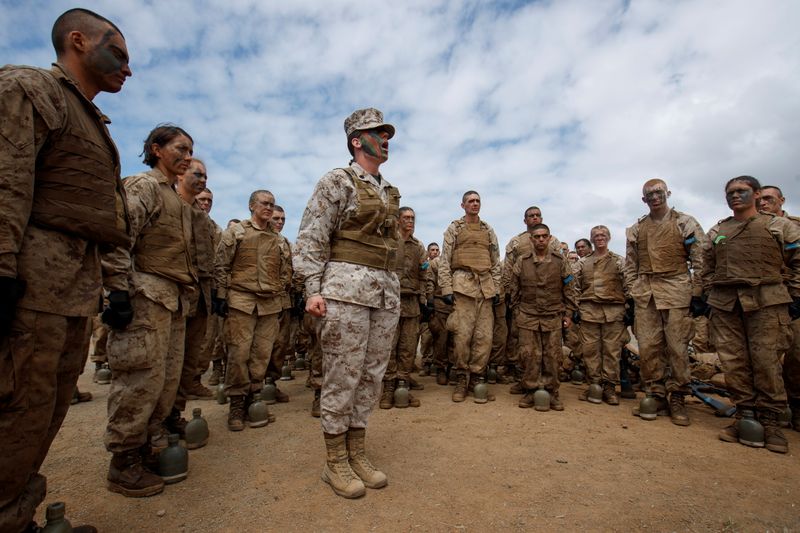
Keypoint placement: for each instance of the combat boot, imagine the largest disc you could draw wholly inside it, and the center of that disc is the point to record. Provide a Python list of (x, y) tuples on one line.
[(337, 472), (526, 402), (216, 372), (412, 402), (413, 384), (197, 391), (555, 402), (610, 394), (280, 396), (517, 388), (677, 410), (460, 394), (80, 397), (730, 433), (315, 409), (175, 423), (236, 413), (363, 468), (441, 376), (774, 439), (387, 396), (128, 477)]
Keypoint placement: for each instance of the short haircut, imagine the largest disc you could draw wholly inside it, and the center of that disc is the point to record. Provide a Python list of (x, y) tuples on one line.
[(208, 191), (780, 192), (600, 227), (749, 180), (540, 226), (406, 208), (464, 196), (278, 208), (531, 208), (433, 244), (199, 161), (654, 181), (254, 197), (161, 135), (587, 241), (78, 19)]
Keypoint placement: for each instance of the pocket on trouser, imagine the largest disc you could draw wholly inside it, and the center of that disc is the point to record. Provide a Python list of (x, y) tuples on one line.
[(16, 352), (131, 350)]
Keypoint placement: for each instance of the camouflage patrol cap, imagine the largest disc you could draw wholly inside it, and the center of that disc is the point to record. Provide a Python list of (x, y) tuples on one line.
[(366, 119)]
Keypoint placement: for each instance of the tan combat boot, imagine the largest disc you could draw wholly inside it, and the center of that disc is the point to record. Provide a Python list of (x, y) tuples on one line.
[(216, 372), (774, 439), (610, 393), (128, 477), (460, 394), (236, 413), (337, 472), (555, 402), (677, 410), (363, 468), (387, 396)]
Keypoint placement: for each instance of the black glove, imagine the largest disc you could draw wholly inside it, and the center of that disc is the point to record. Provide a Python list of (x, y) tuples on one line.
[(630, 311), (794, 308), (11, 290), (299, 305), (118, 313), (509, 312), (496, 300), (576, 317), (219, 306), (448, 299), (698, 306), (426, 310)]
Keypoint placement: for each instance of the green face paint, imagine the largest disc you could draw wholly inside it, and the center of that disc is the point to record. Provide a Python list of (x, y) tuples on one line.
[(372, 144)]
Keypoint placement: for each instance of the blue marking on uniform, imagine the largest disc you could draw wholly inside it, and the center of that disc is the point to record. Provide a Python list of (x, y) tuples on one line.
[(689, 241), (792, 245), (568, 279), (424, 266)]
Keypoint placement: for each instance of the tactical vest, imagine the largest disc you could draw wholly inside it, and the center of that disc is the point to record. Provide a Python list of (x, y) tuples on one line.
[(369, 236), (541, 286), (471, 251), (660, 247), (162, 246), (602, 280), (748, 254), (205, 251), (256, 265), (77, 189), (409, 272)]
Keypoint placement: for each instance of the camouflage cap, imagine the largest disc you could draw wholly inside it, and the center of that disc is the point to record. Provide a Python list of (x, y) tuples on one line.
[(366, 119)]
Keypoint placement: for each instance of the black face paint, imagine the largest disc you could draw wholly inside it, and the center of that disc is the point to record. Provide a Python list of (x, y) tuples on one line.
[(739, 196), (104, 58)]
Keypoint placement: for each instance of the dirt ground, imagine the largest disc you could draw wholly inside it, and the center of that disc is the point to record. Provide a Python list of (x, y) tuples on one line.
[(451, 467)]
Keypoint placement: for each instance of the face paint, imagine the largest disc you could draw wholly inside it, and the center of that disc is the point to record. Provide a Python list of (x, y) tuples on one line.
[(657, 195), (372, 144), (739, 196)]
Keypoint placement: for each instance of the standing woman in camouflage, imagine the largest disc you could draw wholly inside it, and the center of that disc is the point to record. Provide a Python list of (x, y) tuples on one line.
[(345, 252)]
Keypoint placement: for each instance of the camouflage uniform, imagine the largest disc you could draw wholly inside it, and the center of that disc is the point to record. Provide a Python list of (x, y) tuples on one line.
[(214, 346), (659, 281), (146, 358), (363, 302), (543, 293), (41, 358), (473, 288), (600, 285), (442, 338), (749, 317), (791, 360), (283, 348), (251, 269), (412, 295), (97, 349)]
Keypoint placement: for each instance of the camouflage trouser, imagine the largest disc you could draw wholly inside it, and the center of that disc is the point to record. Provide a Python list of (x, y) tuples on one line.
[(146, 360), (701, 341), (512, 342), (499, 336), (250, 339), (471, 323), (356, 342), (442, 340), (573, 340), (404, 349), (749, 346), (39, 365), (213, 348), (540, 353), (97, 347), (602, 345), (425, 343), (195, 345), (791, 363), (309, 326), (663, 337), (281, 348)]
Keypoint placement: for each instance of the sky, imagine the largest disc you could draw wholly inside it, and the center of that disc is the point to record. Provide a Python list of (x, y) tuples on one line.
[(567, 105)]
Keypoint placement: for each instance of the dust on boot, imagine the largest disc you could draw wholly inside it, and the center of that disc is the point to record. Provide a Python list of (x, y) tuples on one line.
[(338, 472)]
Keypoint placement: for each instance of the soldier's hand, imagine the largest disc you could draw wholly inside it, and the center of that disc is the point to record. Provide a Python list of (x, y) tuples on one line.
[(118, 313), (11, 290), (794, 309), (698, 306), (448, 299), (315, 306), (576, 317), (219, 306), (630, 312), (496, 300), (567, 322), (299, 305)]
